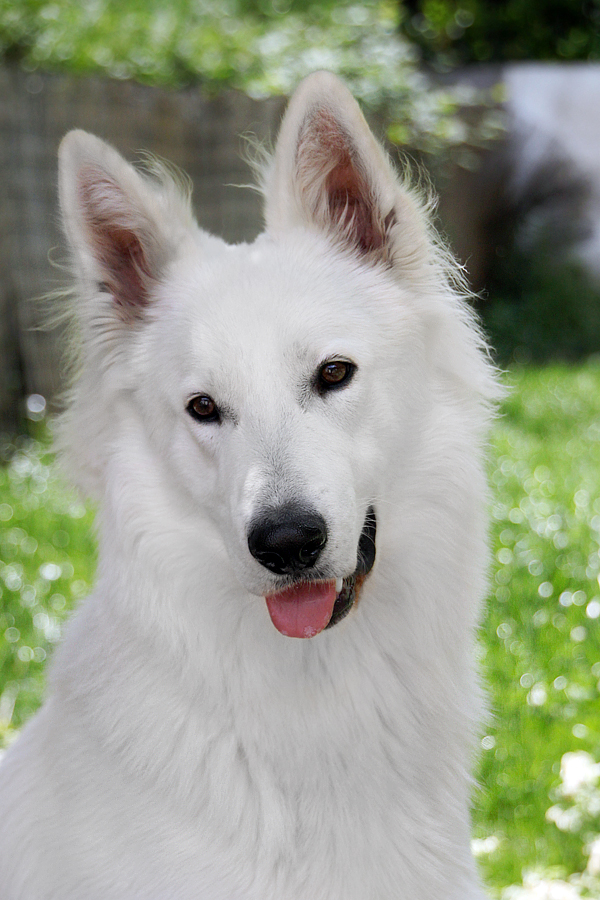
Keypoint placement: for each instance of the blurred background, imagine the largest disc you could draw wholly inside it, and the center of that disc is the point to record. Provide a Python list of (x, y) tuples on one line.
[(500, 104)]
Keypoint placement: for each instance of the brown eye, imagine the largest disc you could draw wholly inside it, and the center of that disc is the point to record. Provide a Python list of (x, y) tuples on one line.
[(335, 374), (203, 409)]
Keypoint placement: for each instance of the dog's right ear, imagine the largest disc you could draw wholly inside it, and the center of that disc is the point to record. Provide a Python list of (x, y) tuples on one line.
[(114, 220)]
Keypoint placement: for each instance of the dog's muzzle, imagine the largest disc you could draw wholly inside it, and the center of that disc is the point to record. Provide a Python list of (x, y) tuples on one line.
[(366, 558), (289, 541)]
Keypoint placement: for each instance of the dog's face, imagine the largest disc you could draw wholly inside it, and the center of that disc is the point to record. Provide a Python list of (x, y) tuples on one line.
[(277, 409), (269, 383)]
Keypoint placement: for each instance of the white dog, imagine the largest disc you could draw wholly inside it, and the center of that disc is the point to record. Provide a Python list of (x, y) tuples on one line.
[(285, 439)]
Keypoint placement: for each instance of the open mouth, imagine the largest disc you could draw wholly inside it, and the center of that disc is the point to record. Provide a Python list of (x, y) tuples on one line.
[(307, 608)]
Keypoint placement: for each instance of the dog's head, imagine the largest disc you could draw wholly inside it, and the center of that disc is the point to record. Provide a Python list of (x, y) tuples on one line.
[(260, 396)]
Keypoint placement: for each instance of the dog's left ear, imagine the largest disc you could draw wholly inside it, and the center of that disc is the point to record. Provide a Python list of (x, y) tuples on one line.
[(330, 173)]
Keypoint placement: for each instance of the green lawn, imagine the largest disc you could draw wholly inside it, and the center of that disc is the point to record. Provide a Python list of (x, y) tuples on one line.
[(47, 559), (540, 647), (540, 640)]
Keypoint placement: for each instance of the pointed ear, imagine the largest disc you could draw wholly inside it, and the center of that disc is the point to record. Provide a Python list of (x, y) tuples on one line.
[(330, 173), (114, 220)]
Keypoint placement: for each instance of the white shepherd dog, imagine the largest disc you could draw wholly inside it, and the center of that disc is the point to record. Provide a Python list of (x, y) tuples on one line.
[(285, 439)]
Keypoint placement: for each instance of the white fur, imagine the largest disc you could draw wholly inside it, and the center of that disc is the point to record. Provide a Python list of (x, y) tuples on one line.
[(187, 750)]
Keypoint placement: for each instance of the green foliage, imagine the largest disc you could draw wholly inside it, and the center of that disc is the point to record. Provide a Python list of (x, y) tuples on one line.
[(262, 48), (457, 32), (540, 640), (541, 308)]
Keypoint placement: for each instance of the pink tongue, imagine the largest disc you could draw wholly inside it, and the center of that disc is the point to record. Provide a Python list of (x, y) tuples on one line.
[(302, 610)]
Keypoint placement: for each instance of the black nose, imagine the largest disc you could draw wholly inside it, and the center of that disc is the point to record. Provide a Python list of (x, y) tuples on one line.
[(288, 539)]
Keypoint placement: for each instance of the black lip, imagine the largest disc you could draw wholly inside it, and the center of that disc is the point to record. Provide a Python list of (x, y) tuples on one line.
[(366, 557), (366, 544)]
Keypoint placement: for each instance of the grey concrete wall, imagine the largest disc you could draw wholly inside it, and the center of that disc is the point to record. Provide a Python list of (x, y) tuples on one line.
[(543, 177)]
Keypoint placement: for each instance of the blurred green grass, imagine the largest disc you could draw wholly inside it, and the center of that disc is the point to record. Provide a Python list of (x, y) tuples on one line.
[(540, 643), (540, 639), (47, 562)]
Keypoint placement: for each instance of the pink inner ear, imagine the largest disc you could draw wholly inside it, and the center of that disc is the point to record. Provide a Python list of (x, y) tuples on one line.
[(326, 150), (121, 254), (117, 246), (349, 205)]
